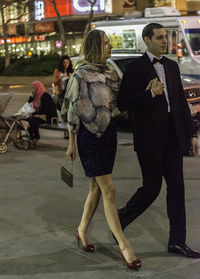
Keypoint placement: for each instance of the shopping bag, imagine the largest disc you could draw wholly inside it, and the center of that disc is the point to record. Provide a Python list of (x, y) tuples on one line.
[(26, 110)]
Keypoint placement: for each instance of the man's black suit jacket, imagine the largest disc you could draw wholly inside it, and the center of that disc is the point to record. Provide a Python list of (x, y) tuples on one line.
[(151, 114)]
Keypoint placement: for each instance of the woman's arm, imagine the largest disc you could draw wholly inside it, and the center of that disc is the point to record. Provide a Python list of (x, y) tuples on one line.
[(56, 77), (69, 106), (71, 150)]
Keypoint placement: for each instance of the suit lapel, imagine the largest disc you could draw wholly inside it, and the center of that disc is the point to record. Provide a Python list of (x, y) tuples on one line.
[(149, 69), (169, 78)]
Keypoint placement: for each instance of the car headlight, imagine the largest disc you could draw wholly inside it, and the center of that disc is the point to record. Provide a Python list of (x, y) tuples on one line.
[(191, 93)]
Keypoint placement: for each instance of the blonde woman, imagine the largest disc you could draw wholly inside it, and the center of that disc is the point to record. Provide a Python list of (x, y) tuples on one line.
[(91, 99)]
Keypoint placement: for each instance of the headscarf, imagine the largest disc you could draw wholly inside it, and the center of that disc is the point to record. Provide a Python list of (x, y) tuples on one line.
[(40, 90)]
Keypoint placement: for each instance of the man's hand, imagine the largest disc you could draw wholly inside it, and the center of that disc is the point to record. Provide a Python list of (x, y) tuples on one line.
[(195, 146), (156, 87), (149, 84)]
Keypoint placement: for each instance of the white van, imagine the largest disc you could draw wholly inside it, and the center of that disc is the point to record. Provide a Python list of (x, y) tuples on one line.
[(183, 36)]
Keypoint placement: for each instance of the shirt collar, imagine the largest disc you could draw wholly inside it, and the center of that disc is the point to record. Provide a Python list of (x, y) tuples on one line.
[(151, 56)]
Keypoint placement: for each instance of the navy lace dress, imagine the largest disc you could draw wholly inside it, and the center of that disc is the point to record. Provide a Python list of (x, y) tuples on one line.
[(97, 154)]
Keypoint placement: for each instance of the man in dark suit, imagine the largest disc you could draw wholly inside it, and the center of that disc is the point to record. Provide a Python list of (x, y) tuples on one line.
[(152, 91)]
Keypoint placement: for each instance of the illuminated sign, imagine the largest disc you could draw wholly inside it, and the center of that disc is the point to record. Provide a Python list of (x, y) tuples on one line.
[(39, 38), (39, 10), (64, 7), (45, 9), (58, 44), (83, 6), (16, 40)]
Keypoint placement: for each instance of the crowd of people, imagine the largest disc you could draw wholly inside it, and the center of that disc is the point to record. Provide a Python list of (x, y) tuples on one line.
[(152, 92)]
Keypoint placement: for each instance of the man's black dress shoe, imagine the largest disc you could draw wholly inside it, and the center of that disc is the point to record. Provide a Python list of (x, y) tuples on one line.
[(183, 250)]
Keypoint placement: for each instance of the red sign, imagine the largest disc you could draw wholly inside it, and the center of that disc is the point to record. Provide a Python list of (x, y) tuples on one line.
[(39, 38), (16, 40), (44, 27), (64, 7)]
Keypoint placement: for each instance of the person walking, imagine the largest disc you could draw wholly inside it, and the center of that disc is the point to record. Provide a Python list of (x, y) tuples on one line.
[(91, 99), (152, 91)]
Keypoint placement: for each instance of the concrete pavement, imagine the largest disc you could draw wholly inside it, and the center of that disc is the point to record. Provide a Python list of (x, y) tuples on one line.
[(19, 80), (39, 213)]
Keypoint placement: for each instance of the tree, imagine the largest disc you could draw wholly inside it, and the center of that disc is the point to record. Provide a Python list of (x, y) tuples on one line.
[(21, 10), (89, 21), (60, 23), (60, 26), (90, 18)]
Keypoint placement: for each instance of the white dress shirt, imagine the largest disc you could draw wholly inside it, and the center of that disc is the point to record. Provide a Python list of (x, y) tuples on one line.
[(161, 74)]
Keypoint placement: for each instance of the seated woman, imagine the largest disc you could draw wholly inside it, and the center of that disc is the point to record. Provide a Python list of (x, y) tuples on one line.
[(45, 109)]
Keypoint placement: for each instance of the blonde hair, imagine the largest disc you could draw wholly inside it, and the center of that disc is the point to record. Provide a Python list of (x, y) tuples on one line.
[(93, 46)]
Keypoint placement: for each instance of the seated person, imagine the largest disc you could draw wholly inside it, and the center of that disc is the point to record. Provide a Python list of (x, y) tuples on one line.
[(45, 109)]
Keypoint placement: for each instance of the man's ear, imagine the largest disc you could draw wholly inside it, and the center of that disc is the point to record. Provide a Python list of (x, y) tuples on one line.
[(147, 40)]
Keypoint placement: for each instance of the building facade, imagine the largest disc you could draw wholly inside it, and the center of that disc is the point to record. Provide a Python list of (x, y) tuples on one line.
[(37, 32)]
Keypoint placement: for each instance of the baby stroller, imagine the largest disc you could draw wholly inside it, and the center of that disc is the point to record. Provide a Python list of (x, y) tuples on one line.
[(12, 127)]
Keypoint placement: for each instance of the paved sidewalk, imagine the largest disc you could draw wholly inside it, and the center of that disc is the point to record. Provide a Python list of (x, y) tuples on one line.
[(52, 138), (39, 213), (24, 80)]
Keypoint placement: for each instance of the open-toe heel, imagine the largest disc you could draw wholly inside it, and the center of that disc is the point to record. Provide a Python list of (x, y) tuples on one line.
[(87, 248), (135, 265)]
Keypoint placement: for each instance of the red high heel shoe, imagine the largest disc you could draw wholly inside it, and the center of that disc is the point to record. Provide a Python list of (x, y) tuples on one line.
[(87, 248), (135, 265)]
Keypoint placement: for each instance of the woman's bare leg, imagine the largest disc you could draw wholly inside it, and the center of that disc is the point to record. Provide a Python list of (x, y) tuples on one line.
[(90, 207), (107, 187)]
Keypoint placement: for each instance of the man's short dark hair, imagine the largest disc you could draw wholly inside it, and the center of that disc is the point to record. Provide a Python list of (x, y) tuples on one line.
[(148, 29)]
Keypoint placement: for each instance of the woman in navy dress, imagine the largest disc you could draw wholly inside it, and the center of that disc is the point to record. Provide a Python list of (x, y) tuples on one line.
[(90, 101)]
